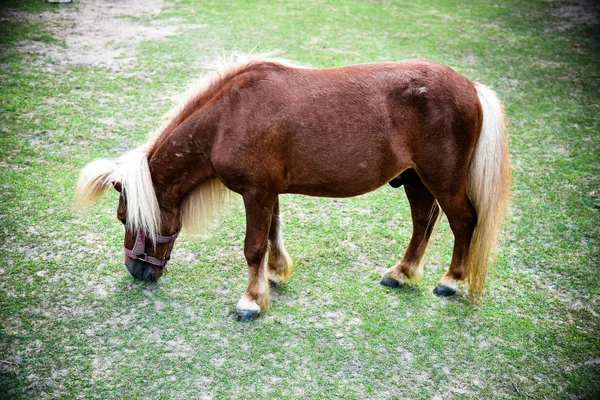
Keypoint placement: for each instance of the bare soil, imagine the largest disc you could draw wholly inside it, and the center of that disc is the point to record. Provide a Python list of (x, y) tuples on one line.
[(95, 33), (576, 13)]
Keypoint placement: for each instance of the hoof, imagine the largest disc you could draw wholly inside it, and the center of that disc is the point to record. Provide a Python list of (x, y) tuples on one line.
[(246, 310), (443, 290), (246, 315), (389, 282)]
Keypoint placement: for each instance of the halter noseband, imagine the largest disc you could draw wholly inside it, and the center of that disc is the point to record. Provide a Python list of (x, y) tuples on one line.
[(139, 249)]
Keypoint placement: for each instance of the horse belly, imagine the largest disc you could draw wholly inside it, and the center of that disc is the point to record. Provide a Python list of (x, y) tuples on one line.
[(338, 173)]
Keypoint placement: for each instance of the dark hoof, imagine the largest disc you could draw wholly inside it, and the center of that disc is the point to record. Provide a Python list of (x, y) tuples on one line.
[(443, 290), (246, 315), (389, 282)]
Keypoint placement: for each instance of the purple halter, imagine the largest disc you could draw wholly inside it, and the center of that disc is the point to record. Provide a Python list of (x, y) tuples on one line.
[(139, 249)]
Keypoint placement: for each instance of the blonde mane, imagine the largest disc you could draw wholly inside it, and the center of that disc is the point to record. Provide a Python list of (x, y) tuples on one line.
[(203, 204), (132, 172)]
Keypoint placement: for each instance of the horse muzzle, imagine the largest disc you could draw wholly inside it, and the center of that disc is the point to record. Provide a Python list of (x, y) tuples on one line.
[(143, 266), (142, 270)]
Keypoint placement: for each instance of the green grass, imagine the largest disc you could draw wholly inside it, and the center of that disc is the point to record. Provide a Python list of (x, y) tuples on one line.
[(73, 323)]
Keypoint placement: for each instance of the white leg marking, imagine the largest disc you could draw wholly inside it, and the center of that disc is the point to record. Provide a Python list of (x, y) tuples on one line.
[(245, 304), (449, 282)]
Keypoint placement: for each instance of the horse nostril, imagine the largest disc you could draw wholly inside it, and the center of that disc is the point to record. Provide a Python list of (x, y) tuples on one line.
[(149, 274), (136, 268)]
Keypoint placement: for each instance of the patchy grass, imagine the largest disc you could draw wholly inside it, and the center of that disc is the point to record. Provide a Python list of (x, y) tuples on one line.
[(73, 323)]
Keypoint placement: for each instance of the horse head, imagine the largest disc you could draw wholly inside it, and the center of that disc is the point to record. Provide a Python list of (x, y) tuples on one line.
[(150, 230)]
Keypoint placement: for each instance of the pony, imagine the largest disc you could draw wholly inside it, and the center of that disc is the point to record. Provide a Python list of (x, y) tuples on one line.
[(262, 127)]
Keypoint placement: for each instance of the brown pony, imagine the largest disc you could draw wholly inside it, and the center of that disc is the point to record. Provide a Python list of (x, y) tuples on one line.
[(262, 127)]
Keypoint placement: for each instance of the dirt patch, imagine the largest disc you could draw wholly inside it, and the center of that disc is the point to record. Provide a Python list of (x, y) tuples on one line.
[(577, 13), (593, 361), (96, 33)]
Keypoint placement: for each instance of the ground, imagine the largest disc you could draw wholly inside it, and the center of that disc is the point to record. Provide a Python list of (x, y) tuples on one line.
[(91, 79)]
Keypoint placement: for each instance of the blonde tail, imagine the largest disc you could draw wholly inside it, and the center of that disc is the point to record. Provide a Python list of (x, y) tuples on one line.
[(488, 188)]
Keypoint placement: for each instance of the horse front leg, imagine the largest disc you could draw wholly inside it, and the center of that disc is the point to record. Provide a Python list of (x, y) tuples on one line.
[(425, 212), (259, 211), (280, 263)]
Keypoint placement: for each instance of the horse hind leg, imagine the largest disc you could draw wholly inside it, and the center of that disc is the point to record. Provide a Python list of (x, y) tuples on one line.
[(462, 218), (425, 214), (279, 266)]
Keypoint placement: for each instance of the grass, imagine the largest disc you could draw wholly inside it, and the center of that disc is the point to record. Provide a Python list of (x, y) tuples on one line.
[(73, 323)]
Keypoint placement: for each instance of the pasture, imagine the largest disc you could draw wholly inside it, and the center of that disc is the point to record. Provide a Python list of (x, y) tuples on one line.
[(88, 80)]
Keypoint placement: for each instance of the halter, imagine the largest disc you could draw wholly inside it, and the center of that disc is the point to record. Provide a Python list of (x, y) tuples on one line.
[(139, 249)]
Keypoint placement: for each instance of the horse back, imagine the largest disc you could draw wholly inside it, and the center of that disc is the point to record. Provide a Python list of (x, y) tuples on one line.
[(342, 131)]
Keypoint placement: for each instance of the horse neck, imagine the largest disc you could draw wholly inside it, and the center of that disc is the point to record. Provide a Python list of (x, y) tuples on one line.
[(181, 159)]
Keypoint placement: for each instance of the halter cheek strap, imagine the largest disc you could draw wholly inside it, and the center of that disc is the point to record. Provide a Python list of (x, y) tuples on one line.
[(139, 249)]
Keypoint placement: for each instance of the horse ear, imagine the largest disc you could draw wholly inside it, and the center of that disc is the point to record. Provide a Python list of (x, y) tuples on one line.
[(117, 185)]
